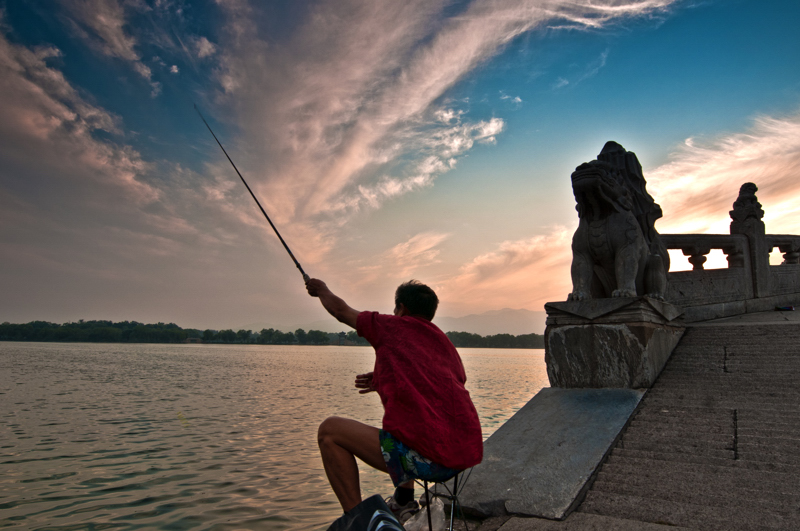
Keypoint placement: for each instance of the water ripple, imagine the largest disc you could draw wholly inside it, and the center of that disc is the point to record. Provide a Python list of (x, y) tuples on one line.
[(196, 437)]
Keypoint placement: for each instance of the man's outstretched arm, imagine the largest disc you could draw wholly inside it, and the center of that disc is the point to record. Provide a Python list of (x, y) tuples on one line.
[(335, 305)]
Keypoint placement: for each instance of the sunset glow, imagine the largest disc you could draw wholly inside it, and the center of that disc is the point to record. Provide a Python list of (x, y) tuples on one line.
[(387, 141)]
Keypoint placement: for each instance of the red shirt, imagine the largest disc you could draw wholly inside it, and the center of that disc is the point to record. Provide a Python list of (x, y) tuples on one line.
[(420, 379)]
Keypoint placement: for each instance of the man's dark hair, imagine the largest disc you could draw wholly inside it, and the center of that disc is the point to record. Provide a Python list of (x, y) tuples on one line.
[(418, 298)]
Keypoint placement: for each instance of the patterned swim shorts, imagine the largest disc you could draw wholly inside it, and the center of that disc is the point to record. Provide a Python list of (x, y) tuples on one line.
[(405, 464)]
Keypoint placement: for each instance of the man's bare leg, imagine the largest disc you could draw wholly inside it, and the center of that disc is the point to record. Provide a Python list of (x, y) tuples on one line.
[(340, 442)]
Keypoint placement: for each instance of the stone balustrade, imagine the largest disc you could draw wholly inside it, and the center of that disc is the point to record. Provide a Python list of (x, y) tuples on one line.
[(788, 244), (748, 284)]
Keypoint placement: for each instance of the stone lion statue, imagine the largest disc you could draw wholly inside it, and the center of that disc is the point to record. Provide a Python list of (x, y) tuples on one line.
[(616, 250)]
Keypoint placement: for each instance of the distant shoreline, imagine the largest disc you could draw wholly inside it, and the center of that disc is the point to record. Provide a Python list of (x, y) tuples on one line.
[(134, 332)]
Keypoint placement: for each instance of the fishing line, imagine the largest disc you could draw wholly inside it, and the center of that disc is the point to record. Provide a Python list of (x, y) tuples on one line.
[(305, 276)]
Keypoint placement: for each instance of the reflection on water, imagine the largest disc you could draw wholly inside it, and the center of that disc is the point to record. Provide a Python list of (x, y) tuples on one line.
[(102, 436)]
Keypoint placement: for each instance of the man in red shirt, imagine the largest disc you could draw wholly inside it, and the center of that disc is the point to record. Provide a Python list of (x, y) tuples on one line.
[(431, 429)]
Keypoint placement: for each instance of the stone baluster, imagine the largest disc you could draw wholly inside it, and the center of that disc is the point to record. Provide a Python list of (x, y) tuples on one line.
[(697, 256), (791, 253), (735, 256)]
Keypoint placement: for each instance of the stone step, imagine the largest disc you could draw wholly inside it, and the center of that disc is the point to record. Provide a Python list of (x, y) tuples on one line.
[(788, 446), (746, 429), (734, 402), (580, 522), (749, 416), (736, 488), (766, 390), (706, 493), (693, 460), (679, 429), (685, 449), (733, 472), (696, 516), (686, 438), (748, 454), (676, 457), (689, 462)]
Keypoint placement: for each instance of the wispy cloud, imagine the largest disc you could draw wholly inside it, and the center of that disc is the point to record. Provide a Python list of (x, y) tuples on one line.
[(590, 70), (64, 161), (204, 48), (416, 252), (522, 273), (102, 24), (44, 119), (697, 188), (513, 99), (353, 125)]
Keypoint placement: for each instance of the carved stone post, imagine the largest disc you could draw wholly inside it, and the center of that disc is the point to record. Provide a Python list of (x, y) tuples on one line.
[(746, 218)]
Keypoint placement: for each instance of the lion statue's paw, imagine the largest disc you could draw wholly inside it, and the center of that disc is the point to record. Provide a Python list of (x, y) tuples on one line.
[(623, 293)]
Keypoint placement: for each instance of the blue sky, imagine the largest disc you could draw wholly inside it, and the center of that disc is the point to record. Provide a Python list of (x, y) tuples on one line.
[(420, 139)]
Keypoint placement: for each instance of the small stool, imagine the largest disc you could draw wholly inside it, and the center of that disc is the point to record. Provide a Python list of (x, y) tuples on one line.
[(451, 495)]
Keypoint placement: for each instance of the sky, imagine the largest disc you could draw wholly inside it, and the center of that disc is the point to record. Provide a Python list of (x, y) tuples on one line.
[(387, 141)]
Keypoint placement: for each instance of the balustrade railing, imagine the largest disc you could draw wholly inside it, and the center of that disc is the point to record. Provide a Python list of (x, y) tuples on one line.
[(749, 283), (697, 246)]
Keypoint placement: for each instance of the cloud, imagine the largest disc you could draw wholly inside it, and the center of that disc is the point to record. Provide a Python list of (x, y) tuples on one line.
[(45, 121), (697, 188), (594, 67), (516, 99), (204, 48), (63, 165), (528, 272), (416, 252), (102, 24), (344, 127), (590, 70), (92, 229)]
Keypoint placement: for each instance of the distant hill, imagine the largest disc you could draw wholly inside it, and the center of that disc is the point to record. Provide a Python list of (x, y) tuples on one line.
[(505, 321)]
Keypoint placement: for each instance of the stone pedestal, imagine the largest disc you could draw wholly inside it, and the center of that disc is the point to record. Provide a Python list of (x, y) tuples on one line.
[(617, 342)]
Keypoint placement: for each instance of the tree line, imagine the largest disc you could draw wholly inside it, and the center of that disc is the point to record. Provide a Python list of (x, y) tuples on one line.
[(467, 340), (134, 332)]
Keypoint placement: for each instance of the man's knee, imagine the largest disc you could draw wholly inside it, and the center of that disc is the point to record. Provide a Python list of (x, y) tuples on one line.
[(328, 429)]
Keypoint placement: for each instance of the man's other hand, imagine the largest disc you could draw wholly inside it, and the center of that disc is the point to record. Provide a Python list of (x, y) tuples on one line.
[(364, 383)]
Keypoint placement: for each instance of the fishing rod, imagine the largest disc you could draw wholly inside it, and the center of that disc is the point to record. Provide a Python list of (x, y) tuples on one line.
[(305, 276)]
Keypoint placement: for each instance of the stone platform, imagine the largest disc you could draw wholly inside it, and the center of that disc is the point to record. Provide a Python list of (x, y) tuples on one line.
[(715, 444), (540, 460), (616, 342)]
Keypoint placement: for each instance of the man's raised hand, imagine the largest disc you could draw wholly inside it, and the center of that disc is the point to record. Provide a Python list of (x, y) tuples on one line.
[(364, 383), (314, 286)]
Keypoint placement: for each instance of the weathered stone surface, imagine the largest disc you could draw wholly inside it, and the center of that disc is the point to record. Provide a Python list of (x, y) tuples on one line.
[(616, 310), (621, 342), (583, 522), (539, 461)]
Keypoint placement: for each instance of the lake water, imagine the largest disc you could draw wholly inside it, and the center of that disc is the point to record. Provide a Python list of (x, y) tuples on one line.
[(216, 437)]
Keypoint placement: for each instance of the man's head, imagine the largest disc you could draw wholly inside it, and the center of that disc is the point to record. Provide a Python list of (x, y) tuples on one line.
[(417, 298)]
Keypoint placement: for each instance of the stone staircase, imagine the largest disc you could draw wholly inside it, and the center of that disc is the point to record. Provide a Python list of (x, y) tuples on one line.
[(715, 443)]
